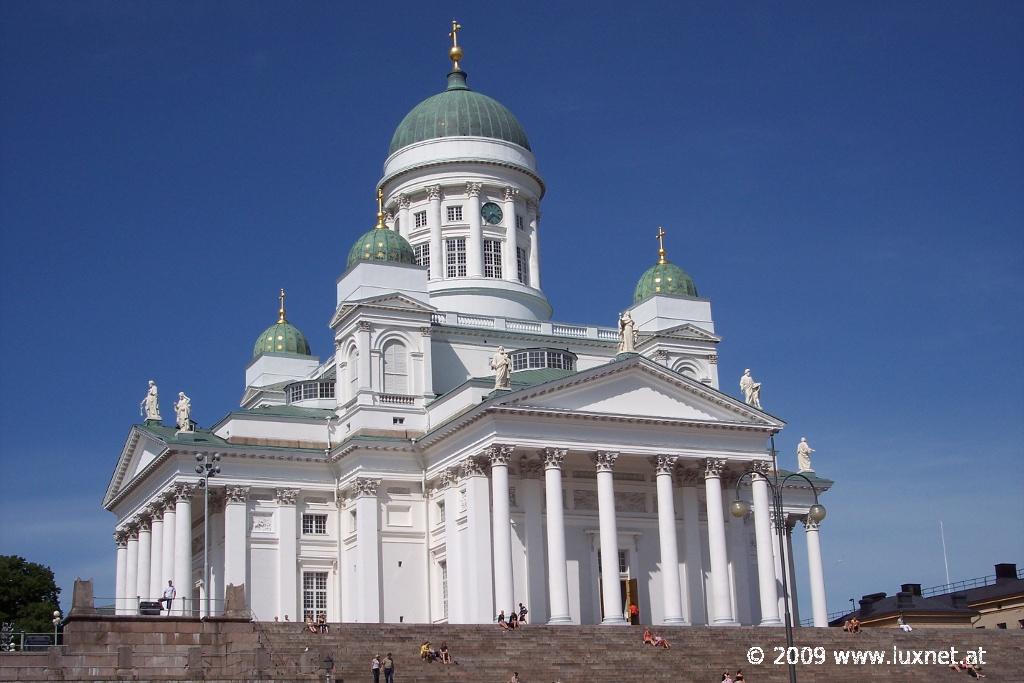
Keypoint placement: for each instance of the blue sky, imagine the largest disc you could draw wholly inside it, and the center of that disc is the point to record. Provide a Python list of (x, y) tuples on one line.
[(843, 180)]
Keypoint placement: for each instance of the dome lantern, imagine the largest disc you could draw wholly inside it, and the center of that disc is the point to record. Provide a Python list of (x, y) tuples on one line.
[(381, 243)]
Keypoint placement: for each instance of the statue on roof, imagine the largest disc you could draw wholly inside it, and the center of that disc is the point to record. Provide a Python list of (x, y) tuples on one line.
[(627, 333), (149, 407), (803, 455), (502, 366), (751, 390), (183, 413)]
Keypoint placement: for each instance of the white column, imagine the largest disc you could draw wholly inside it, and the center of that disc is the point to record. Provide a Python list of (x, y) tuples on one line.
[(778, 565), (236, 534), (721, 599), (475, 243), (504, 589), (534, 216), (604, 461), (368, 586), (121, 539), (287, 583), (664, 466), (508, 256), (216, 587), (131, 574), (766, 584), (816, 573), (170, 529), (404, 226), (692, 549), (145, 558), (156, 557), (434, 224), (453, 548), (364, 381), (480, 598), (558, 576), (531, 500), (183, 547)]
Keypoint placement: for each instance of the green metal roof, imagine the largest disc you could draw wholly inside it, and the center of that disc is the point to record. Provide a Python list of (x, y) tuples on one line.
[(288, 411), (381, 244), (664, 278), (458, 111), (170, 435), (281, 337)]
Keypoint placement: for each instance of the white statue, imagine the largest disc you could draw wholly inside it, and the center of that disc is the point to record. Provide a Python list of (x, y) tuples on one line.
[(502, 366), (751, 390), (803, 455), (149, 408), (183, 412), (627, 333)]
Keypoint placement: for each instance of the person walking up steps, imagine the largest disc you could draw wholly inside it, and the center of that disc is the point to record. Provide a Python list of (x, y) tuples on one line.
[(375, 668), (388, 664)]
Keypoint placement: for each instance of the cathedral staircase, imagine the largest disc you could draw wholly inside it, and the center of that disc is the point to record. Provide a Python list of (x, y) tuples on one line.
[(168, 649)]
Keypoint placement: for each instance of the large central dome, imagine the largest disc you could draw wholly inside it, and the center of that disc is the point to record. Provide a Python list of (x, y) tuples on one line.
[(458, 111)]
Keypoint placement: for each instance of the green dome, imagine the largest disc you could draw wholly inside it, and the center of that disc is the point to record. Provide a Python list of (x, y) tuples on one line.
[(664, 278), (458, 111), (381, 244), (281, 337)]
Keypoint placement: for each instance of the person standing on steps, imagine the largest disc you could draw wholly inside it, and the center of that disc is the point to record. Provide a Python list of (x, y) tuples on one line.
[(388, 664), (522, 614), (375, 668)]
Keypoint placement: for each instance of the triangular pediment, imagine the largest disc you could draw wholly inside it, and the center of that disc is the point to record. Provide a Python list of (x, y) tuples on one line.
[(685, 331), (394, 302), (639, 389), (140, 450)]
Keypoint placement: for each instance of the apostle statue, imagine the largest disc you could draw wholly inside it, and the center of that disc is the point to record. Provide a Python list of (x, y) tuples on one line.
[(149, 407), (803, 455), (183, 412), (627, 333), (751, 390), (502, 366)]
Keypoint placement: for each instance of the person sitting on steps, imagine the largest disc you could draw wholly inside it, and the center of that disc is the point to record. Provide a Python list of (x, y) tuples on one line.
[(425, 652), (501, 620), (310, 625), (321, 623), (513, 621), (661, 642), (648, 637), (446, 657)]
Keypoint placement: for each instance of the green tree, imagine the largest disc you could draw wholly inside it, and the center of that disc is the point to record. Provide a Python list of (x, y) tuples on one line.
[(28, 594)]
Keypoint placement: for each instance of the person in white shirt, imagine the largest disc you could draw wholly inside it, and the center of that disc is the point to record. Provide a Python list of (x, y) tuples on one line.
[(169, 594)]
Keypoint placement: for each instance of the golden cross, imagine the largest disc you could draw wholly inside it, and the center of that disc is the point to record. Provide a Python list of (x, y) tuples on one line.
[(454, 33), (380, 208), (280, 312), (661, 244)]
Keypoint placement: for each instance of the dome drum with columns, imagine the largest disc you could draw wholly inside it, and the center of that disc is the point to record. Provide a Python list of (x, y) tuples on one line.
[(458, 451)]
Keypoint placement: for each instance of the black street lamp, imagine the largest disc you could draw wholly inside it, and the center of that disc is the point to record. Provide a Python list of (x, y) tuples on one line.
[(208, 467), (816, 513)]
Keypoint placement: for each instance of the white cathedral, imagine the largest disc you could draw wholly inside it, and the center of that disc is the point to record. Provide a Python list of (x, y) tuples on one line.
[(420, 474)]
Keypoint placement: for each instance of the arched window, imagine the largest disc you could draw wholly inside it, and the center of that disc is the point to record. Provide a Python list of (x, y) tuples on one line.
[(688, 370), (396, 372), (353, 372)]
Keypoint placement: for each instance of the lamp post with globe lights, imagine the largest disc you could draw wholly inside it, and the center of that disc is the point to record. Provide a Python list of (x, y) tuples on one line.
[(816, 513), (56, 624), (207, 466)]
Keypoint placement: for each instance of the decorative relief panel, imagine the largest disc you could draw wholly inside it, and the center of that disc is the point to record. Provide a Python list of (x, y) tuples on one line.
[(263, 523), (631, 501), (584, 499)]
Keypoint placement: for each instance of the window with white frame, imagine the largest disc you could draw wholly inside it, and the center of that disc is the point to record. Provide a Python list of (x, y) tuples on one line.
[(522, 266), (315, 525), (314, 594), (422, 254), (443, 566), (440, 511), (454, 214), (420, 219), (353, 372), (492, 258), (300, 391), (455, 257), (519, 222), (396, 380)]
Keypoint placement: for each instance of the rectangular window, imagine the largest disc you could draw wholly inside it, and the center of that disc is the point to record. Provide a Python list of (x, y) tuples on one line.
[(314, 524), (444, 588), (518, 362), (326, 389), (492, 258), (522, 266), (454, 214), (455, 257), (440, 511), (294, 393), (309, 390), (314, 594), (519, 222), (422, 253), (623, 567), (420, 219)]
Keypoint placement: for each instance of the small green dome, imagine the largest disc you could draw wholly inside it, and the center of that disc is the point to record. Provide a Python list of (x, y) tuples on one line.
[(664, 278), (281, 337), (381, 244), (458, 111)]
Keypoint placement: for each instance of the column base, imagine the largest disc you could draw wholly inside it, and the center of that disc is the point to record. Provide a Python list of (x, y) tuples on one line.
[(716, 624), (614, 621), (676, 621), (556, 621), (771, 622)]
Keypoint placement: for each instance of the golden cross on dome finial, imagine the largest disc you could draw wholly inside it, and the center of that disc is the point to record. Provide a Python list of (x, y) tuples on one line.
[(661, 245), (455, 53), (280, 311), (380, 210)]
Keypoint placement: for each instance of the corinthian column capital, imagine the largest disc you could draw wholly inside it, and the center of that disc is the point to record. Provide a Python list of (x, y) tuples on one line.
[(605, 460), (664, 464), (499, 454)]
